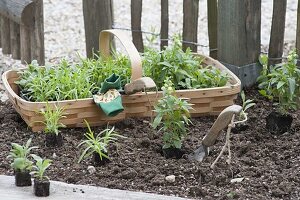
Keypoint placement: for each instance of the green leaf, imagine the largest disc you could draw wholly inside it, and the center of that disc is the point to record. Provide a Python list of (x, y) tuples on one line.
[(280, 84), (157, 120), (263, 92), (249, 106), (177, 144), (292, 86)]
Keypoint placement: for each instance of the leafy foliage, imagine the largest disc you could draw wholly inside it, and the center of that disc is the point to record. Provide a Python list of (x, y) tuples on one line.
[(183, 68), (40, 167), (68, 81), (246, 105), (19, 154), (173, 114), (281, 83), (99, 143), (52, 117)]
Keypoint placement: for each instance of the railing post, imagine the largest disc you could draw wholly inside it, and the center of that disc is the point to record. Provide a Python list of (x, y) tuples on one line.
[(136, 21), (239, 28), (98, 16), (190, 24), (298, 31), (5, 35), (37, 35), (164, 20)]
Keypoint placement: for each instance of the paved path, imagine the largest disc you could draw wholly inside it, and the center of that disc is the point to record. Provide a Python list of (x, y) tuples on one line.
[(63, 191)]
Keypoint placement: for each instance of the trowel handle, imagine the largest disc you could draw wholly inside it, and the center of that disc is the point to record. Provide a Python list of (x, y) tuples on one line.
[(222, 122)]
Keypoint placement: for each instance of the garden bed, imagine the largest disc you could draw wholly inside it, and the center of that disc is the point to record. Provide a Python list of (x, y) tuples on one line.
[(269, 163)]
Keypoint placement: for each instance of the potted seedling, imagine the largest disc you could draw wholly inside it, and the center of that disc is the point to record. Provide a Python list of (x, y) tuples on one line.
[(97, 146), (21, 164), (173, 114), (280, 83), (52, 125), (41, 182)]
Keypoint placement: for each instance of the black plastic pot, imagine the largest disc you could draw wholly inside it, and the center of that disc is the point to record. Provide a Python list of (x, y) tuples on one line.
[(54, 140), (172, 153), (41, 188), (278, 123), (22, 178), (98, 161)]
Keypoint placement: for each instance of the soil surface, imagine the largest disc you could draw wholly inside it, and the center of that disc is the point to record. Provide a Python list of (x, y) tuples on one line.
[(269, 164)]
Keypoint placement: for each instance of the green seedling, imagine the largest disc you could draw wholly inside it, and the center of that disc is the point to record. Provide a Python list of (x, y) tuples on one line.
[(173, 114), (20, 154), (52, 117), (98, 144), (183, 67), (40, 167), (281, 83)]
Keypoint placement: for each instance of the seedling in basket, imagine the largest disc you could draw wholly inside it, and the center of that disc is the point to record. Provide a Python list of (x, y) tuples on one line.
[(21, 163), (98, 145), (183, 67), (41, 182), (173, 114), (52, 124)]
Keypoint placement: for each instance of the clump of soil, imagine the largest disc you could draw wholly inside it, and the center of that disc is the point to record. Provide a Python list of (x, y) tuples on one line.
[(269, 163)]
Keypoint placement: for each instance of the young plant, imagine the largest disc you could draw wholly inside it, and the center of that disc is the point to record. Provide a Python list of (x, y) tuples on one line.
[(281, 83), (40, 167), (173, 114), (20, 154), (52, 117), (99, 143), (183, 68), (246, 105)]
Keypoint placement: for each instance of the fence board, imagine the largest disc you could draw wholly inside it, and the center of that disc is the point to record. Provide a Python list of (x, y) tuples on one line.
[(15, 9), (136, 19), (5, 35), (164, 30), (15, 40), (212, 20), (37, 35), (25, 44), (277, 31), (98, 16), (298, 30), (190, 23), (239, 44)]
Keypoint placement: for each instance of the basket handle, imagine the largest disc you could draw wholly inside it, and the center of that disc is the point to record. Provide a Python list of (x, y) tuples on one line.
[(134, 56)]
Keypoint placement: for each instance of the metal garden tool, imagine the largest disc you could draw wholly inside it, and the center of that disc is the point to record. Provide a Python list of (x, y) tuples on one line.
[(222, 122), (139, 85)]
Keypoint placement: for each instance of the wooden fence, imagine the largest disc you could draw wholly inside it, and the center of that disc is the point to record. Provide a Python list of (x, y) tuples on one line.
[(234, 28), (22, 29)]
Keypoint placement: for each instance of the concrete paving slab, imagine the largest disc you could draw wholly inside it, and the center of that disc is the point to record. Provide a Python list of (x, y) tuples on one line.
[(64, 191)]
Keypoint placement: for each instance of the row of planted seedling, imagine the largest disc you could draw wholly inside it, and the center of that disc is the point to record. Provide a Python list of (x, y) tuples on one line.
[(279, 83), (172, 112)]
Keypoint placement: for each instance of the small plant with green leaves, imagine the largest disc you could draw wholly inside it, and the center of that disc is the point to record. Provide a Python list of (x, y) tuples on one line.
[(68, 81), (281, 83), (20, 155), (173, 113), (246, 104), (41, 181), (40, 167), (98, 145), (52, 117), (183, 67)]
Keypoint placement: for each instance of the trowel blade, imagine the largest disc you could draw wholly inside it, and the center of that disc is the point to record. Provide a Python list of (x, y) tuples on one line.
[(199, 154)]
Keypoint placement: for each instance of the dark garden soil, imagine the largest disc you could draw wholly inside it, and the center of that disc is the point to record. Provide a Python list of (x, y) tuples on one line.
[(269, 164)]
